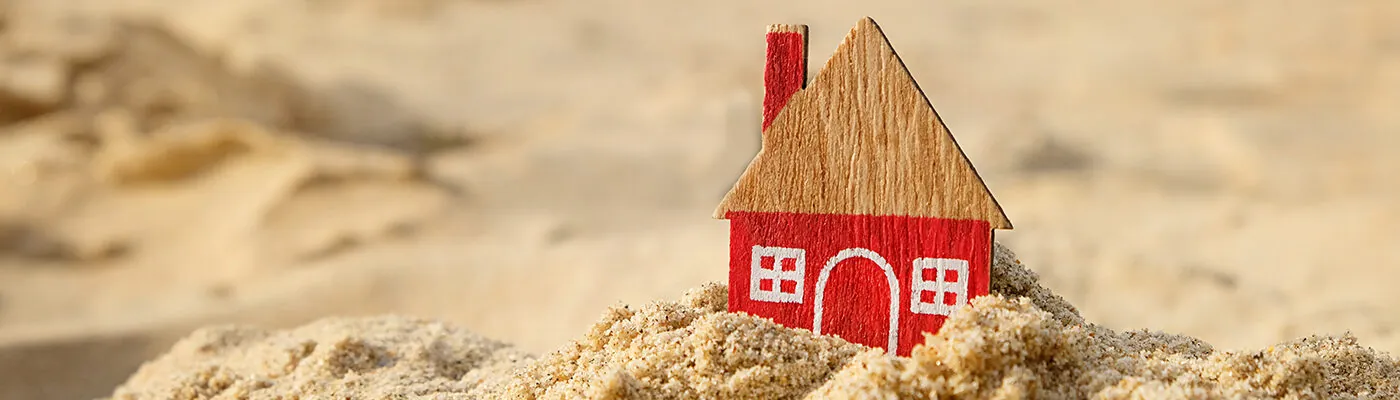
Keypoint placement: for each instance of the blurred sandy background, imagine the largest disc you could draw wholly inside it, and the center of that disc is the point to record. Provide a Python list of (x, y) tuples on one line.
[(1225, 170)]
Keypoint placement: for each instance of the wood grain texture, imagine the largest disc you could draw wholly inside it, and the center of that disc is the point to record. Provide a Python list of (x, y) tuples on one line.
[(785, 67), (862, 139)]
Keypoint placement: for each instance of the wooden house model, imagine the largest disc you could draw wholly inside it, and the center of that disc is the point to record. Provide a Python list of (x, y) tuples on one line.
[(860, 217)]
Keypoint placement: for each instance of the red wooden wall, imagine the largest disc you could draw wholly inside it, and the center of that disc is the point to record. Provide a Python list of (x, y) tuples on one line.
[(856, 298)]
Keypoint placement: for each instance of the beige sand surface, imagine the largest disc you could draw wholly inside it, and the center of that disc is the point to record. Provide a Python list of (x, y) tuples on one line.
[(1022, 342), (1221, 170)]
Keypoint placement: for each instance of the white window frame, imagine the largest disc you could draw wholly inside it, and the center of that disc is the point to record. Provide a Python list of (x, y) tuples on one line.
[(940, 286), (777, 274)]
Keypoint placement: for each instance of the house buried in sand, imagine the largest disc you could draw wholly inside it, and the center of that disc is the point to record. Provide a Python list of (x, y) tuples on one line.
[(860, 217)]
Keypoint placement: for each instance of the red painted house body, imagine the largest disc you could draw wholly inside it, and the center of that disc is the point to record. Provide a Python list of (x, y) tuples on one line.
[(861, 217)]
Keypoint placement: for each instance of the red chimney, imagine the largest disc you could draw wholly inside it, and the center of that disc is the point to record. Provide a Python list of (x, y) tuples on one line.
[(785, 71)]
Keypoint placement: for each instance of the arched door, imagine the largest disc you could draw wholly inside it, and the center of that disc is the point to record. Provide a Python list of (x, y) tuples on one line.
[(857, 290)]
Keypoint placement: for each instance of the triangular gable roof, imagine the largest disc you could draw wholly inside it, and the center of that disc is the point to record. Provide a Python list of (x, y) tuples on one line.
[(862, 139)]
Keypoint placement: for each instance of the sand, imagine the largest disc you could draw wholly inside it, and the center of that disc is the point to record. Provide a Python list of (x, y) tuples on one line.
[(1021, 342), (334, 358), (1219, 170)]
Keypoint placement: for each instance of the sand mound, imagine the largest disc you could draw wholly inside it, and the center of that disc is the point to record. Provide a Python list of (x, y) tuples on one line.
[(1022, 342), (334, 358), (1009, 349), (690, 349)]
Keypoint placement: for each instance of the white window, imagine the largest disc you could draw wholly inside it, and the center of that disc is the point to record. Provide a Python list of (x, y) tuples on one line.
[(939, 286), (775, 274)]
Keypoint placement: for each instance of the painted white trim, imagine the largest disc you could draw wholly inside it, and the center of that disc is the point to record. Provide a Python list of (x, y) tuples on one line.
[(939, 286), (758, 273), (889, 275)]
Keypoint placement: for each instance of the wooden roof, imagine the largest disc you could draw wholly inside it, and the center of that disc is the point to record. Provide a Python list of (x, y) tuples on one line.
[(862, 139)]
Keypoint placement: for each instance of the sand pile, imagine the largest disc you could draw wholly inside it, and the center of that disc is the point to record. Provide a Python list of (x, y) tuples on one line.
[(363, 358), (690, 349), (1009, 349), (1022, 342)]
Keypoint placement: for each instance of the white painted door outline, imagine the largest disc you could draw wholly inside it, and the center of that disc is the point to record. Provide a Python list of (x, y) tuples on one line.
[(889, 275)]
